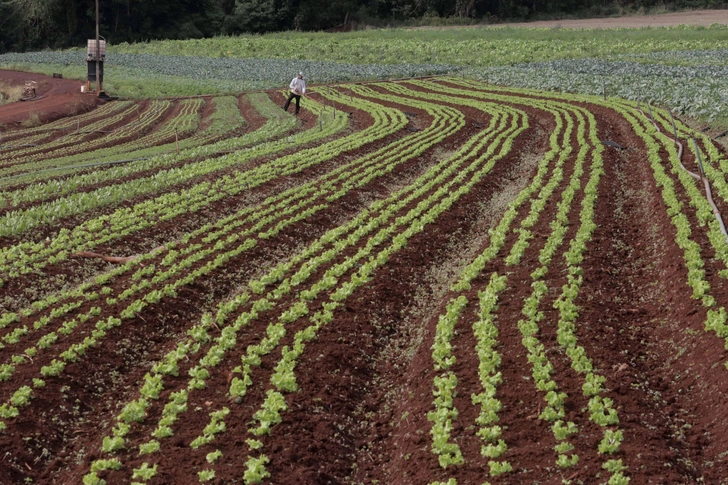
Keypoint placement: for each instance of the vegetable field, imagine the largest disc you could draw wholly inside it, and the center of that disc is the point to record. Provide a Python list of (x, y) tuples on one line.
[(682, 67), (431, 281)]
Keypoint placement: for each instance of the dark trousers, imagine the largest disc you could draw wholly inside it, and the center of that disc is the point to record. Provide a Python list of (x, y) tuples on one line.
[(298, 102)]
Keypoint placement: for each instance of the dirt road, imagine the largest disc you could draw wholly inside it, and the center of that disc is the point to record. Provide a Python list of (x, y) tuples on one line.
[(60, 97), (695, 17)]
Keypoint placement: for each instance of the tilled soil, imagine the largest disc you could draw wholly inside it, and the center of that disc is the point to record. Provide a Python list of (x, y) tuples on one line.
[(365, 381)]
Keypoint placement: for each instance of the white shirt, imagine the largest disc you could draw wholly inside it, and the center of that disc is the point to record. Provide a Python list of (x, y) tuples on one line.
[(298, 86)]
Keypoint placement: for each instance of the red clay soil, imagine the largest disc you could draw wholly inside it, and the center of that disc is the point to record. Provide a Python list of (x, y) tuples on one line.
[(253, 121), (409, 459), (365, 381), (61, 97), (362, 376), (647, 334), (659, 445), (289, 240), (162, 232), (17, 163), (639, 325), (184, 460), (143, 241)]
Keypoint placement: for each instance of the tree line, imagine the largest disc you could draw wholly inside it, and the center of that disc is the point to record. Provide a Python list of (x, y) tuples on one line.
[(38, 24)]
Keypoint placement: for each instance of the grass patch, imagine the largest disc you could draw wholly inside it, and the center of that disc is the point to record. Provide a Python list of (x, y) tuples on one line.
[(10, 93), (32, 121)]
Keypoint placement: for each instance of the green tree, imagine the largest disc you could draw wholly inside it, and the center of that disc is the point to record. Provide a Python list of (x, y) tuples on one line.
[(261, 16)]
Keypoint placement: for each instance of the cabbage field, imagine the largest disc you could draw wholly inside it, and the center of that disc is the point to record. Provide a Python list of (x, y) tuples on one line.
[(433, 281), (680, 68)]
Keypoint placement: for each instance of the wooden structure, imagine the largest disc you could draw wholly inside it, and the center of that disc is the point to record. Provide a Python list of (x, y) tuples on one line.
[(95, 56), (29, 90)]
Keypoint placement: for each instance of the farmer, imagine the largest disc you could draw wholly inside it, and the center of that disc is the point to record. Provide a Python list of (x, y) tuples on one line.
[(298, 89)]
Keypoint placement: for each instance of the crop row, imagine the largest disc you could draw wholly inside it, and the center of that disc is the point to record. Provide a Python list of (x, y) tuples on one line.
[(444, 386), (19, 139), (284, 378), (692, 251), (388, 121), (340, 182), (395, 155), (47, 186), (253, 346), (57, 152), (181, 131), (77, 203), (600, 408), (125, 221), (665, 161), (183, 124), (61, 156), (70, 139)]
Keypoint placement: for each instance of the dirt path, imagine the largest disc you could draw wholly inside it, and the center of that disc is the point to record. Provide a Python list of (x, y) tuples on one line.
[(61, 97), (696, 17)]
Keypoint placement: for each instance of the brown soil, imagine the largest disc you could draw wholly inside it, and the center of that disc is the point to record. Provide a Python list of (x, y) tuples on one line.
[(60, 97), (697, 17), (253, 122), (366, 379), (32, 158), (703, 18), (289, 239), (144, 240)]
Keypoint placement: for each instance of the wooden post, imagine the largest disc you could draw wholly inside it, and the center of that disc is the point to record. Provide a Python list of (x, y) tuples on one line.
[(99, 88)]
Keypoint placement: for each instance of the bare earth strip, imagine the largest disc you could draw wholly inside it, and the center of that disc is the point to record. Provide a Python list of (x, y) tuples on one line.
[(696, 17)]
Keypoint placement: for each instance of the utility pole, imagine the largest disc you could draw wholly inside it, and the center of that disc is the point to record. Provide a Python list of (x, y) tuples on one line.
[(99, 88)]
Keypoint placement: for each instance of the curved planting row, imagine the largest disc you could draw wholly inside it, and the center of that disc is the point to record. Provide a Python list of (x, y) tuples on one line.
[(25, 138), (284, 297), (125, 222), (266, 220), (553, 411), (83, 193), (332, 187), (601, 410), (69, 140), (179, 132), (57, 153), (183, 123), (472, 288), (105, 144), (223, 122)]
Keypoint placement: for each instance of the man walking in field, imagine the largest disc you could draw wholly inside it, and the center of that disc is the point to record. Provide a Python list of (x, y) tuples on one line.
[(298, 89)]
